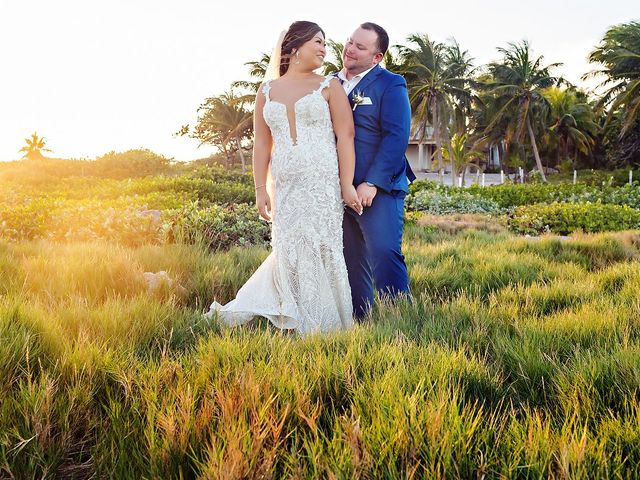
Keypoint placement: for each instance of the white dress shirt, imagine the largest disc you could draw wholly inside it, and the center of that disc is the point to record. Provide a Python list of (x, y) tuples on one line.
[(349, 85)]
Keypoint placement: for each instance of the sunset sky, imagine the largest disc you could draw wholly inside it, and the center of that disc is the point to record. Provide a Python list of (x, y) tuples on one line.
[(94, 76)]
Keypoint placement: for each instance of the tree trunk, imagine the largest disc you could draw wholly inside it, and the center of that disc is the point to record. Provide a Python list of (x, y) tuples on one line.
[(227, 159), (535, 149), (421, 147), (501, 155), (454, 169), (244, 167), (437, 138)]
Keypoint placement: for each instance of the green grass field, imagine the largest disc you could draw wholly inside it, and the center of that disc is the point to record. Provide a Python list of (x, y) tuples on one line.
[(518, 358)]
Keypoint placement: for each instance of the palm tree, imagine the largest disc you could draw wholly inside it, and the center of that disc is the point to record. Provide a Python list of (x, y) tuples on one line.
[(484, 109), (257, 71), (459, 156), (436, 80), (335, 64), (619, 54), (392, 60), (34, 147), (572, 122), (517, 83), (225, 122), (462, 69)]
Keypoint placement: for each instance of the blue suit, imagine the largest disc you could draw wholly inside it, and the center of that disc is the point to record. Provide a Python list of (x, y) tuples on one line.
[(372, 241)]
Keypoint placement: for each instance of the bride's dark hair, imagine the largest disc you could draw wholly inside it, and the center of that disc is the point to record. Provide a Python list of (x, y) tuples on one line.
[(297, 35)]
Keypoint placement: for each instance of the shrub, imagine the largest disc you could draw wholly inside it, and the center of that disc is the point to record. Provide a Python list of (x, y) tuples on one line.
[(625, 195), (45, 170), (124, 225), (509, 195), (29, 220), (515, 195), (132, 163), (125, 222), (442, 203), (564, 218), (217, 227), (428, 185), (206, 191), (79, 221), (217, 173)]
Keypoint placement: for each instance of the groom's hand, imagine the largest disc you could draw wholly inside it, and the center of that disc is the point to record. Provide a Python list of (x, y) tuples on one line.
[(366, 193)]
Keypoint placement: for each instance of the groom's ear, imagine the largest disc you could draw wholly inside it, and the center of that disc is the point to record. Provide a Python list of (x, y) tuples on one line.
[(377, 58)]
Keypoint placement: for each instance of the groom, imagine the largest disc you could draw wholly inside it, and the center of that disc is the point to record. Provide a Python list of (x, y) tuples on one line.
[(382, 118)]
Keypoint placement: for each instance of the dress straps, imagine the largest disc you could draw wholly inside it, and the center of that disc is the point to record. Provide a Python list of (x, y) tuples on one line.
[(325, 83), (266, 88)]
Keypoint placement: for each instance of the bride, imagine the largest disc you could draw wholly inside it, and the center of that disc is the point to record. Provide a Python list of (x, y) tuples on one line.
[(303, 165)]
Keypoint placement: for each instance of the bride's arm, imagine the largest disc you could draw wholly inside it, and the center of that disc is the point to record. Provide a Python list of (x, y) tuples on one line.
[(342, 119), (261, 157)]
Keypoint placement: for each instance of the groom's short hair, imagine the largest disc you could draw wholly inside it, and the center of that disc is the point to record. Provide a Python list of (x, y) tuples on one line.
[(383, 37)]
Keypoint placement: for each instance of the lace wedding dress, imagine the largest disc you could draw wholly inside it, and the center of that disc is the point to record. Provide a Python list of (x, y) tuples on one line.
[(303, 283)]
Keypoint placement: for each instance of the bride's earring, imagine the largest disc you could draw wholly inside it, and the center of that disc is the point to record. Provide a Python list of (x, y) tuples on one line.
[(297, 62)]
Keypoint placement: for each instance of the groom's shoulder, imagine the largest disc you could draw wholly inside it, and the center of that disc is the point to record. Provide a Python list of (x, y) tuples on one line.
[(390, 76)]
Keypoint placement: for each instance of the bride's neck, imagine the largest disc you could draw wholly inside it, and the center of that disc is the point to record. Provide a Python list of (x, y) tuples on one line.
[(298, 72)]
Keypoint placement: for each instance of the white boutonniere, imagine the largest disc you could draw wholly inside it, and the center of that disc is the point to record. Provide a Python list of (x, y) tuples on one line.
[(358, 98)]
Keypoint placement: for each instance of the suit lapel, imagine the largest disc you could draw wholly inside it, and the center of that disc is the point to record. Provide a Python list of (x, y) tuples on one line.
[(366, 81)]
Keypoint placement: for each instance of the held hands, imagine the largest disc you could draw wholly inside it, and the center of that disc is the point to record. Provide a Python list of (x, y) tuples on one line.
[(350, 198), (366, 193), (263, 202)]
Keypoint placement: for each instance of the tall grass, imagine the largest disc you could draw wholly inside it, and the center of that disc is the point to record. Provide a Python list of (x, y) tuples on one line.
[(515, 359)]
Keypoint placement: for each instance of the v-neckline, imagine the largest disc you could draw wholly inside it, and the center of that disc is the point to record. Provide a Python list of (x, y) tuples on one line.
[(291, 112)]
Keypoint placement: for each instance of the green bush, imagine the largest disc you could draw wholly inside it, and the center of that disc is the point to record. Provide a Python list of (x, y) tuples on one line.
[(25, 221), (62, 221), (443, 203), (217, 227), (128, 222), (429, 185), (621, 176), (132, 163), (625, 195), (216, 173), (44, 170), (84, 208), (564, 218), (207, 191), (510, 195), (148, 190)]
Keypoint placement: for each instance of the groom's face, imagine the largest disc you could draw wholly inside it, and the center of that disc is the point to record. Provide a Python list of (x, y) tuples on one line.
[(361, 51)]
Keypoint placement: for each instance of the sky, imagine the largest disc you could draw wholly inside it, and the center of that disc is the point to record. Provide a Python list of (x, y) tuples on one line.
[(93, 76)]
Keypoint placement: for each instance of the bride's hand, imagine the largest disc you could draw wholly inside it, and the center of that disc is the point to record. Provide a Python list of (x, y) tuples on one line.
[(263, 202), (350, 198)]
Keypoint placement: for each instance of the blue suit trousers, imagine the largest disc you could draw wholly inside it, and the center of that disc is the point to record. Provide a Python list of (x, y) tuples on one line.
[(373, 250)]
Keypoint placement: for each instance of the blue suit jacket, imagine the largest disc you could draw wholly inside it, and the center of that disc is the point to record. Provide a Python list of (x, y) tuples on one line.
[(382, 131)]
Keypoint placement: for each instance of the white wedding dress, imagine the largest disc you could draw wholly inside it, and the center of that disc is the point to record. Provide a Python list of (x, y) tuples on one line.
[(303, 283)]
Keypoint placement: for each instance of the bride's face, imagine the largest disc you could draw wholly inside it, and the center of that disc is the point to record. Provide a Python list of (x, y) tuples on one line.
[(313, 51)]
